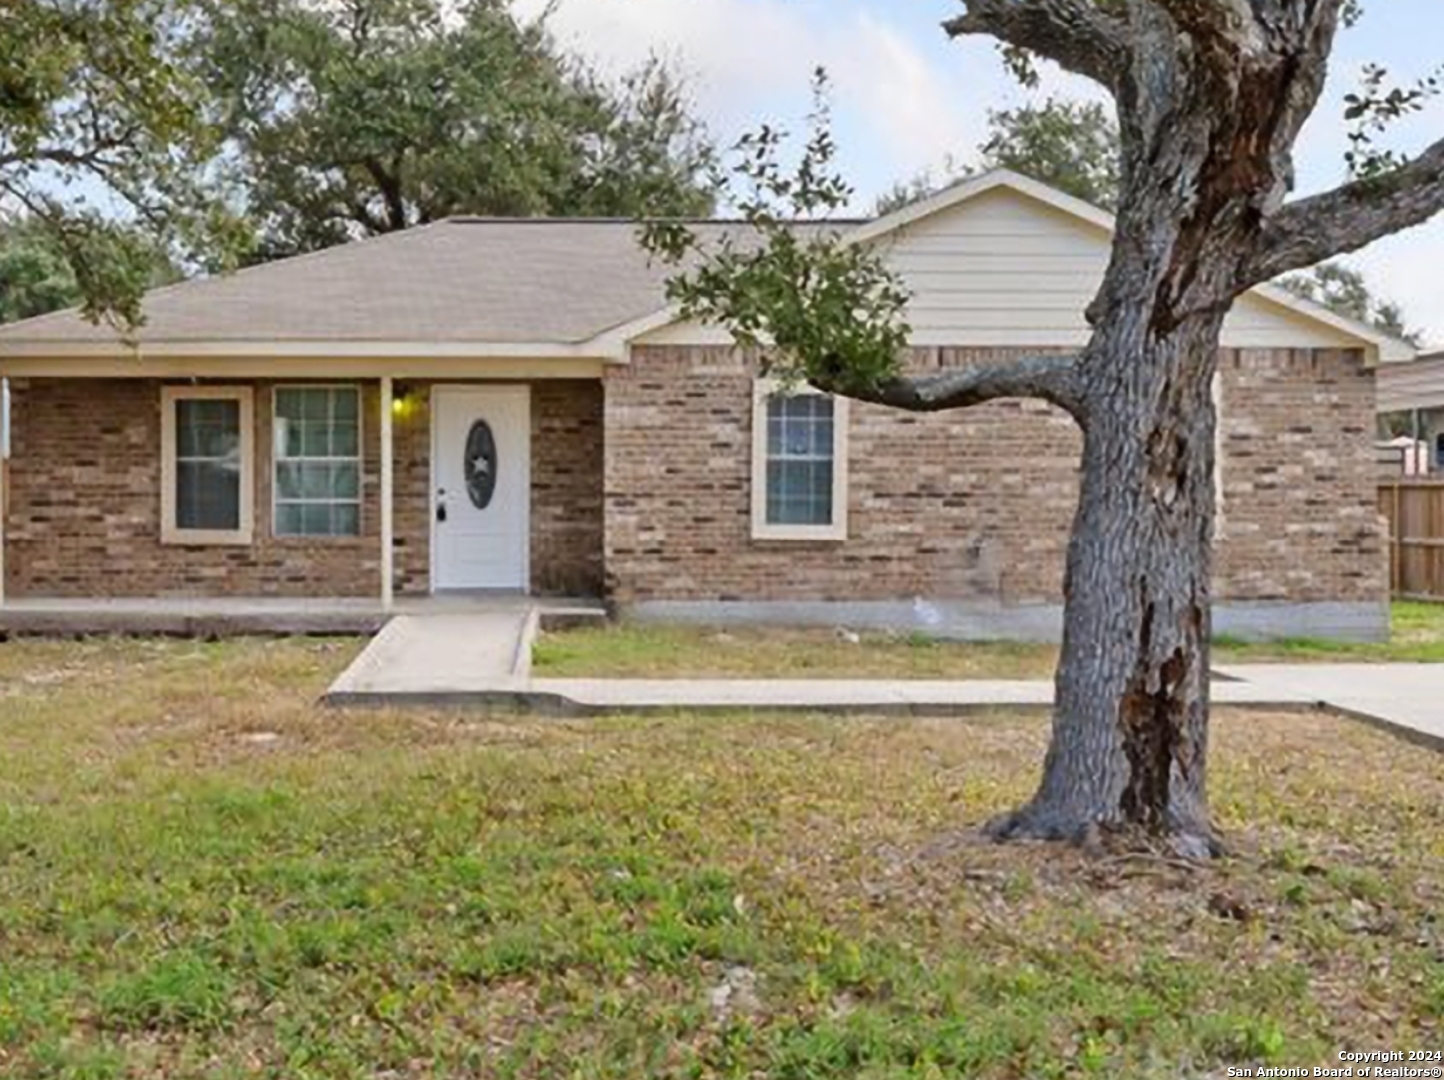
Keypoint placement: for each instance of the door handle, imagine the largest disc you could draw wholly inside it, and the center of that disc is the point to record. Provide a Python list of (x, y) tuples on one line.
[(441, 505)]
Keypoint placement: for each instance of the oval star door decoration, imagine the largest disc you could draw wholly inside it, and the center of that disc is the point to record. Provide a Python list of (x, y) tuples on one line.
[(480, 464)]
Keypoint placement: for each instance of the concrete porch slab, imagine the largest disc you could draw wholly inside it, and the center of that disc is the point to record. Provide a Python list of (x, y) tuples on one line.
[(237, 616)]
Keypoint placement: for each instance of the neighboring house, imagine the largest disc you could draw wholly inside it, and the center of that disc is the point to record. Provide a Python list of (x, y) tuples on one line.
[(1414, 392), (1402, 457), (511, 405)]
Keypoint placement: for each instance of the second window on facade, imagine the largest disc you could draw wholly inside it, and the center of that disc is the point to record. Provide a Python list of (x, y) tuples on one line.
[(317, 455), (799, 460), (799, 477)]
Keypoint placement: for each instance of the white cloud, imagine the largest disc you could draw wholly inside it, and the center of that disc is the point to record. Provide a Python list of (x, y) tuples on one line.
[(897, 110), (1405, 269), (901, 97)]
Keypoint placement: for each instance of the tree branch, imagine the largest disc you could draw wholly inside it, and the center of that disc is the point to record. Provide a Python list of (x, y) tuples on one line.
[(1051, 378), (92, 158), (1308, 231), (389, 185), (1074, 34)]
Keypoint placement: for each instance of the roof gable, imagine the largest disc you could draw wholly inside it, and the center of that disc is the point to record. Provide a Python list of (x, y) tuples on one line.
[(1267, 299), (1001, 260)]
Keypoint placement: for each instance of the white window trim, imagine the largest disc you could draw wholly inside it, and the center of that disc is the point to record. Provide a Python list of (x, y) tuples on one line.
[(170, 533), (360, 459), (762, 389)]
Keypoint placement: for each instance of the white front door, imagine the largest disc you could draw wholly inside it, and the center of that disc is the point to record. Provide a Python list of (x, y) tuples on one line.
[(481, 487)]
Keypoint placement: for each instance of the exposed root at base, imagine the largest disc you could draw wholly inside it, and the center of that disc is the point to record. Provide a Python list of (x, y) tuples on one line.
[(1102, 835)]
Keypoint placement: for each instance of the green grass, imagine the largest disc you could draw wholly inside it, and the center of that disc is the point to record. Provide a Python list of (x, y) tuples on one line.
[(632, 650), (204, 875)]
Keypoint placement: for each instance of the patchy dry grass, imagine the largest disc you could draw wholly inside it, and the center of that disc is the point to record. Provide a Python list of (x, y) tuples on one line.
[(633, 650), (203, 875)]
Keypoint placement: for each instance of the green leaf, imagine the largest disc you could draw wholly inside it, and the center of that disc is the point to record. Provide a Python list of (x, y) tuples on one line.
[(786, 280)]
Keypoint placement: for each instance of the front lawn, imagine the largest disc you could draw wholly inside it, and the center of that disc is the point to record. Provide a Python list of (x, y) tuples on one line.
[(669, 651), (635, 650), (204, 875)]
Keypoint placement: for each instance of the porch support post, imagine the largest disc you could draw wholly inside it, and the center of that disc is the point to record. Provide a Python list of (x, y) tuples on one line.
[(388, 483)]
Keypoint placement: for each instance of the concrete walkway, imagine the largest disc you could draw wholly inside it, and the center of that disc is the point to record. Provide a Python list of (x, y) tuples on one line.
[(911, 696), (483, 661), (441, 659), (1405, 698), (435, 679)]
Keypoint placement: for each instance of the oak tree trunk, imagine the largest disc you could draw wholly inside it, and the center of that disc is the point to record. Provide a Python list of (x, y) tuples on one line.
[(1205, 154), (1131, 728)]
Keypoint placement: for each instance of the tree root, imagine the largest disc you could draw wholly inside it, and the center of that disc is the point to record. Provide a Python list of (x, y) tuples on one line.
[(1104, 834)]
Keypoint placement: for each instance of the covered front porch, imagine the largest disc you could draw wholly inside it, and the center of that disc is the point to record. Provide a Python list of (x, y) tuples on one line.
[(296, 497)]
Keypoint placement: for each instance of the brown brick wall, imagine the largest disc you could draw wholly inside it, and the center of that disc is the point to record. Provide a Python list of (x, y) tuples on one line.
[(968, 505), (84, 506), (1301, 518), (411, 500), (566, 488), (974, 504)]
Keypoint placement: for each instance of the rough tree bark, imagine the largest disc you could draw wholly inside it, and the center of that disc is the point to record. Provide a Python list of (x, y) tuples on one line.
[(1211, 97), (1130, 733)]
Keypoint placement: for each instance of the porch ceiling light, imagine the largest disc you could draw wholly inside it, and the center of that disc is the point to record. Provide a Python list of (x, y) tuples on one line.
[(403, 401)]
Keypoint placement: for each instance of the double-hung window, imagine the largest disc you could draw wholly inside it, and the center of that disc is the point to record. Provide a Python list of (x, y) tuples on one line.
[(799, 464), (206, 465), (317, 456)]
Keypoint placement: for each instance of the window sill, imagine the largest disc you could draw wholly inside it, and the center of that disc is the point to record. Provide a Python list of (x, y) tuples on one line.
[(205, 538), (834, 534), (326, 541)]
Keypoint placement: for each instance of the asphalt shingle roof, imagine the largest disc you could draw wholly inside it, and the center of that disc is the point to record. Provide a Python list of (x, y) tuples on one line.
[(460, 280)]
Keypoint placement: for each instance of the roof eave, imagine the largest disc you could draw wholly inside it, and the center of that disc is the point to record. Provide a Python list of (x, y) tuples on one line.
[(61, 350)]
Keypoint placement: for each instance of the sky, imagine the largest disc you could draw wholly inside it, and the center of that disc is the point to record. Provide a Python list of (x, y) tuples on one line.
[(906, 99)]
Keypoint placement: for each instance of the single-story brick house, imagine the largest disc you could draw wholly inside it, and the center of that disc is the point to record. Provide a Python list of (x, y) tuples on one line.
[(511, 405)]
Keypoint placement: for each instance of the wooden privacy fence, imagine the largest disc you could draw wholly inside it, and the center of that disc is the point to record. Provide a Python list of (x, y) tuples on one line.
[(1415, 511)]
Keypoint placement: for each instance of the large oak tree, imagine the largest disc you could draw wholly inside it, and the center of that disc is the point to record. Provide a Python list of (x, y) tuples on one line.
[(1211, 96), (36, 274), (349, 118), (102, 138)]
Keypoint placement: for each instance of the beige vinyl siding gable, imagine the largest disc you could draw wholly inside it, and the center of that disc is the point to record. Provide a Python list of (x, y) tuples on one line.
[(1003, 270)]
